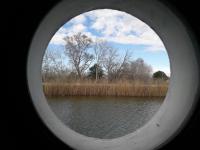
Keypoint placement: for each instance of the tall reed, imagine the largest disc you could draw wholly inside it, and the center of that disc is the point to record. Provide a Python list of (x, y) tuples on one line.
[(105, 89)]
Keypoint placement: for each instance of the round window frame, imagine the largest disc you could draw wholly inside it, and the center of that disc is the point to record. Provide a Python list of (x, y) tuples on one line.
[(179, 100)]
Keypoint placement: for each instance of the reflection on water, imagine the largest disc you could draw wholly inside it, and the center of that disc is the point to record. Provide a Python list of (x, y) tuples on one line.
[(104, 117)]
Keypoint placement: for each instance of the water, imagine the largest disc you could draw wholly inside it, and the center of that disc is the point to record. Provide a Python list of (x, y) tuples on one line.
[(104, 117)]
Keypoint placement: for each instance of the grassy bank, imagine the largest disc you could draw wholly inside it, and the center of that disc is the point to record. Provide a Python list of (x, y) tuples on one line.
[(104, 89)]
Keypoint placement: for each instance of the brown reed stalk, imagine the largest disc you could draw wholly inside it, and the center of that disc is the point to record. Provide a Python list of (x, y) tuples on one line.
[(105, 89)]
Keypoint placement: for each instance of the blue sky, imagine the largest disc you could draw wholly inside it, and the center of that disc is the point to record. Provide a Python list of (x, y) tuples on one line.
[(122, 31)]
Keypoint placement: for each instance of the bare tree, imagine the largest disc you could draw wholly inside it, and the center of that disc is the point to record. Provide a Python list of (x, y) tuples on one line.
[(110, 61), (122, 64), (76, 49), (140, 70), (52, 64), (113, 64), (100, 50)]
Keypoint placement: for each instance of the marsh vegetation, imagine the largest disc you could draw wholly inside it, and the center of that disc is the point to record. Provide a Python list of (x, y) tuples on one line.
[(97, 70)]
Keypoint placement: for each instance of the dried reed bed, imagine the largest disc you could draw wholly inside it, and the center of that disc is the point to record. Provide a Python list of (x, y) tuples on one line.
[(105, 89)]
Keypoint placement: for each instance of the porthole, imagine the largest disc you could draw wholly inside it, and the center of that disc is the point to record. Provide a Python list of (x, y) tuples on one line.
[(183, 82)]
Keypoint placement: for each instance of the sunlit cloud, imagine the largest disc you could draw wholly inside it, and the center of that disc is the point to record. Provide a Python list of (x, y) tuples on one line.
[(80, 19), (58, 38), (113, 26), (123, 28)]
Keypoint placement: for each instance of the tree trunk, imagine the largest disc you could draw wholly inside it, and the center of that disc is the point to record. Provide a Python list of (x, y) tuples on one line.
[(96, 70), (79, 74)]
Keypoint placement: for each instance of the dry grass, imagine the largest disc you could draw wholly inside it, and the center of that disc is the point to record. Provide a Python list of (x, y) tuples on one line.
[(105, 89)]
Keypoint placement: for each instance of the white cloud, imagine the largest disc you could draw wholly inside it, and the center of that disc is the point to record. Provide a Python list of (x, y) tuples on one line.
[(58, 37), (113, 26), (63, 32), (123, 28), (78, 19), (77, 28)]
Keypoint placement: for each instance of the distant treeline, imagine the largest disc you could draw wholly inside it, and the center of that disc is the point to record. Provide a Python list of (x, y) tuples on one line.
[(94, 60), (95, 68)]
